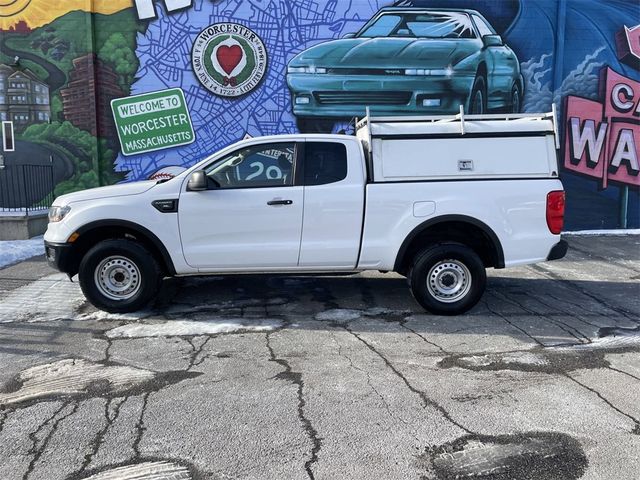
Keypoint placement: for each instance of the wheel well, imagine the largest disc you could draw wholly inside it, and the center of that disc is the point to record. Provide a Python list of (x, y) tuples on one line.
[(482, 70), (473, 234), (91, 235)]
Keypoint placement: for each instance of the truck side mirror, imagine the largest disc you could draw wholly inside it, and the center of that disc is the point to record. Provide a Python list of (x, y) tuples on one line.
[(349, 35), (492, 41), (198, 182)]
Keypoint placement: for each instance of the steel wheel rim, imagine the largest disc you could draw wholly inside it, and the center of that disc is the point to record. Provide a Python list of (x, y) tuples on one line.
[(449, 281), (118, 278)]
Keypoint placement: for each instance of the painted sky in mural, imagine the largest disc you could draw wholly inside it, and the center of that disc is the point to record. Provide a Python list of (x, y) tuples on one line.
[(36, 13)]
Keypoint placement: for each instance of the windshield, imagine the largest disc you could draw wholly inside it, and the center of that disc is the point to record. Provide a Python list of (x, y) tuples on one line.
[(421, 25)]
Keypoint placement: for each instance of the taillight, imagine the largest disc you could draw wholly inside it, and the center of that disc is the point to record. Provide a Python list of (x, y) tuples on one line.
[(555, 211)]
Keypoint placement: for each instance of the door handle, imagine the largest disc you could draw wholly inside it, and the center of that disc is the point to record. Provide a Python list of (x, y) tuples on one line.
[(280, 202)]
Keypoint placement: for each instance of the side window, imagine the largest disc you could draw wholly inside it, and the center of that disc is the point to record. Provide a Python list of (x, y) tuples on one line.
[(324, 163), (483, 28), (268, 165)]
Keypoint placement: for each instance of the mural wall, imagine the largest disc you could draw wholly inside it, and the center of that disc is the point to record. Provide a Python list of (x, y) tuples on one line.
[(121, 90)]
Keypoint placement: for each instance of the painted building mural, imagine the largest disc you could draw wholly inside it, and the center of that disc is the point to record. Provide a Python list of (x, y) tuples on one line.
[(121, 90)]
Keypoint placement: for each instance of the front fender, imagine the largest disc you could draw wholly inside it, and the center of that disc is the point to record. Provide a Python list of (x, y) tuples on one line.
[(469, 65), (120, 212)]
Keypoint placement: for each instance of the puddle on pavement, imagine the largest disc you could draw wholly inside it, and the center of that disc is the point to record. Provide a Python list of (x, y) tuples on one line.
[(557, 359), (345, 315), (83, 378), (530, 456)]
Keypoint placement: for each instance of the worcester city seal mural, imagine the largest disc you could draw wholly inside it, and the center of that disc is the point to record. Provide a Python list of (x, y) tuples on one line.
[(229, 59)]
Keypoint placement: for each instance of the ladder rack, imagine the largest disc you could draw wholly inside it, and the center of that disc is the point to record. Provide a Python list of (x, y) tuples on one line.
[(462, 118)]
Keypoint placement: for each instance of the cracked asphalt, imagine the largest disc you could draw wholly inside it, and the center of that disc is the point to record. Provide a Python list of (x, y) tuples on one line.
[(341, 377)]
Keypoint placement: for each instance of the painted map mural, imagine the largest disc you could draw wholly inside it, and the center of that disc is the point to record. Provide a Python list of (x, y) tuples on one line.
[(119, 90)]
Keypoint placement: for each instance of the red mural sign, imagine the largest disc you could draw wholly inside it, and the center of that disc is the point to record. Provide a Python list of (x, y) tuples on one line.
[(603, 137)]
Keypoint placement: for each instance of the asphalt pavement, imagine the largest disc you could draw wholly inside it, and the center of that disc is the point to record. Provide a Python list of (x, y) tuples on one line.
[(340, 377)]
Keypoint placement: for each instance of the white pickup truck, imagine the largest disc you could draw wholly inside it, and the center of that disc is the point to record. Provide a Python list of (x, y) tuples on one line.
[(437, 199)]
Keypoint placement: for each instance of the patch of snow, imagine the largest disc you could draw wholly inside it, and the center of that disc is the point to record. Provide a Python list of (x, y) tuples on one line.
[(72, 377), (619, 232), (22, 212), (184, 328), (15, 251), (620, 340), (478, 361), (511, 358), (145, 471), (524, 358), (49, 298), (100, 315)]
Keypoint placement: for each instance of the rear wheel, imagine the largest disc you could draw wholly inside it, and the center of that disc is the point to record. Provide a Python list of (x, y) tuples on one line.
[(447, 279), (516, 99), (478, 98), (119, 276)]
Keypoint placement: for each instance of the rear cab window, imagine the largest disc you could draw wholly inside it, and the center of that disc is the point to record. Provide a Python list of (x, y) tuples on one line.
[(324, 163)]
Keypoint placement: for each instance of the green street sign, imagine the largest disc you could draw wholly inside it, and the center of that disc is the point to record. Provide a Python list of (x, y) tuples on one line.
[(152, 121)]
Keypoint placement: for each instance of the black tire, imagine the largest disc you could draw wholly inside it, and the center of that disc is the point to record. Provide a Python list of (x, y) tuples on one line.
[(478, 98), (436, 266), (515, 101), (111, 261), (315, 125)]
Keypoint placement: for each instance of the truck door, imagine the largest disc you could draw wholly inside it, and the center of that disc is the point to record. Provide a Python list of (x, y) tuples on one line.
[(250, 217), (334, 178)]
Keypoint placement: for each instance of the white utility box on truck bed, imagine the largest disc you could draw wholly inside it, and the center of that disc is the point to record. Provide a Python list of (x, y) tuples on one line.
[(411, 149), (437, 199)]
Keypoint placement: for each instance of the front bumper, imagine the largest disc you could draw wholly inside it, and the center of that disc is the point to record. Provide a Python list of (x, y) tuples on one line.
[(60, 256), (558, 251), (356, 92)]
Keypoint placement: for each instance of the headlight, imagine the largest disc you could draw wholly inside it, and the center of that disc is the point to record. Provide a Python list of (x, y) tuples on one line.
[(312, 69), (442, 72), (56, 214)]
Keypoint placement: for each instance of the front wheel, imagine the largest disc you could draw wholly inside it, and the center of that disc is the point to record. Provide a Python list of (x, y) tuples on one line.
[(119, 276), (447, 279)]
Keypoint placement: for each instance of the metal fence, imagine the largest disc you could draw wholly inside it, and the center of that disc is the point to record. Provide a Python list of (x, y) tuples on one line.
[(26, 189)]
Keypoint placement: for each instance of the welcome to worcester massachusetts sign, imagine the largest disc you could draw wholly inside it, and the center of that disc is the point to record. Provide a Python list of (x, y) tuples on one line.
[(602, 138), (153, 121)]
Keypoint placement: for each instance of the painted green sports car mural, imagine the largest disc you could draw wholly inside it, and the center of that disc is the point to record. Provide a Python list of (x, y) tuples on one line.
[(406, 61)]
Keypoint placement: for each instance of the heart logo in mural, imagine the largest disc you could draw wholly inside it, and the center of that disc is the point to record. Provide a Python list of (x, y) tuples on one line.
[(229, 57)]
